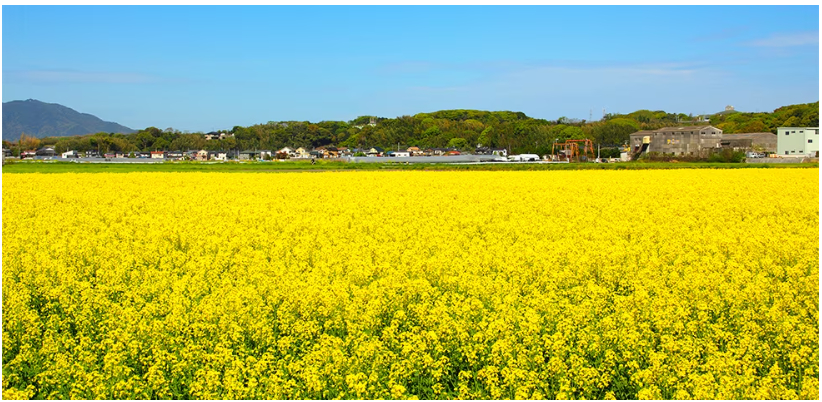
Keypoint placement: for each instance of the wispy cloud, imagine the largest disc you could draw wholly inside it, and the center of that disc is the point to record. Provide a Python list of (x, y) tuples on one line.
[(74, 76), (788, 40)]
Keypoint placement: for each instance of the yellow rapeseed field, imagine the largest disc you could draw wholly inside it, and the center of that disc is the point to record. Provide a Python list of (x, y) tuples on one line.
[(555, 284)]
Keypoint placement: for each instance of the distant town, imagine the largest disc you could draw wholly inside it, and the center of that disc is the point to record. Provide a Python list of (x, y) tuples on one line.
[(789, 134)]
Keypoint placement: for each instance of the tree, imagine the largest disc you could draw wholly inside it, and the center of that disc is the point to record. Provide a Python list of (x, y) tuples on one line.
[(459, 143)]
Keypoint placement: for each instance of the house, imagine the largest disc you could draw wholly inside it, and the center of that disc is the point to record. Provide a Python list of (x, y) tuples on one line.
[(218, 155), (331, 152), (175, 155), (121, 154), (344, 151), (288, 152), (315, 154), (374, 151), (414, 151), (500, 152), (28, 154), (46, 151), (437, 151), (202, 155), (70, 154), (399, 154), (212, 135), (686, 140), (109, 155), (249, 155), (797, 141), (158, 155), (301, 153), (452, 152), (92, 154), (6, 152)]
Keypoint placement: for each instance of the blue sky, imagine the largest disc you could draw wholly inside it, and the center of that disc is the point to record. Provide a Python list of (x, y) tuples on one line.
[(201, 68)]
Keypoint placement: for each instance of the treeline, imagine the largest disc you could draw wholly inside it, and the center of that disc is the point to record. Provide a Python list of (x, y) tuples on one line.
[(464, 129)]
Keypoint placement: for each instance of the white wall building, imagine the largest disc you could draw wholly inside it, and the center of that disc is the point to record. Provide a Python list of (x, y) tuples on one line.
[(797, 141)]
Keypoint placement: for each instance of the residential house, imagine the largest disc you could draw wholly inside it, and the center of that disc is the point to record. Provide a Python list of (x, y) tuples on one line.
[(414, 151), (374, 151), (301, 153), (70, 154), (797, 141), (109, 155), (92, 154), (218, 155), (288, 152), (158, 155), (46, 151), (175, 155), (30, 154), (399, 154), (315, 154), (500, 152), (202, 155), (344, 151), (331, 152), (249, 155), (121, 154), (6, 152), (437, 151), (452, 152)]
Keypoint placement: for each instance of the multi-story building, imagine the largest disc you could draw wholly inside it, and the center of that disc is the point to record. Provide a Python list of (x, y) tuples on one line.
[(686, 140), (797, 141)]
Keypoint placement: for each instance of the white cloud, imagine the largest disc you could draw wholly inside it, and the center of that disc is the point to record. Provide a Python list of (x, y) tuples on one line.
[(788, 40)]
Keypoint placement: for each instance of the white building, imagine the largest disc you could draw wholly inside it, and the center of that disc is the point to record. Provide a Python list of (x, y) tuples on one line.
[(797, 141), (70, 154)]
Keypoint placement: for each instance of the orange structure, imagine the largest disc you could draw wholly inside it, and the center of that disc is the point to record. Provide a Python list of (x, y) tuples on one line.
[(570, 150)]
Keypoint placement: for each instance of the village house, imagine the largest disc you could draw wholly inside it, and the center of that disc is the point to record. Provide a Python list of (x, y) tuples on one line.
[(301, 153), (249, 155), (158, 154), (288, 152), (175, 155), (70, 154), (46, 151), (399, 154), (374, 151), (414, 151), (218, 155)]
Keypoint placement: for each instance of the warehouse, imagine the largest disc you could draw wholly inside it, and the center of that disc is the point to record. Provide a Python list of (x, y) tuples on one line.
[(760, 142), (687, 140)]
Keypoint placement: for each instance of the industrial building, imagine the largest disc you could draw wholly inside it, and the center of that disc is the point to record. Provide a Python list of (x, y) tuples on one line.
[(687, 140), (760, 142), (797, 141)]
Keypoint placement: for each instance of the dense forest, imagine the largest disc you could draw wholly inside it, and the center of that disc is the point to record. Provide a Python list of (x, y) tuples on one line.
[(463, 129)]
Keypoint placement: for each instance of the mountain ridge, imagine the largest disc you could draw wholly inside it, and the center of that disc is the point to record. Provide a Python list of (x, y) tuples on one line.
[(40, 119)]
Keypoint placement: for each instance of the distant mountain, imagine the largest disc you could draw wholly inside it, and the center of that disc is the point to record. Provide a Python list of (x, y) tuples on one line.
[(40, 119)]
